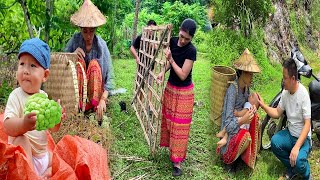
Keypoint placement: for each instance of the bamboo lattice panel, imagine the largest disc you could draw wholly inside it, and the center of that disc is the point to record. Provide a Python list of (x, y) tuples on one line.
[(148, 93)]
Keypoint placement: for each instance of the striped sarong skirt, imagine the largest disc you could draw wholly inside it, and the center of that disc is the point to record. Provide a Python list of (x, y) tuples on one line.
[(95, 84), (177, 108)]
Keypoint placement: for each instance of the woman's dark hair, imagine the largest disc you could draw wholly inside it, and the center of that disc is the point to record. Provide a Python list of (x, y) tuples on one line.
[(189, 26), (291, 66), (151, 22), (239, 72)]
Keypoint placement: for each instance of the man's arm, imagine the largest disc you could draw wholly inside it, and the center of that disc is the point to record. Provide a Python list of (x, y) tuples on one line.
[(304, 133), (272, 112), (296, 148), (134, 53)]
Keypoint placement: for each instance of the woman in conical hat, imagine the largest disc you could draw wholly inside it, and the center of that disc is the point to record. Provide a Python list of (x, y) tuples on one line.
[(240, 142), (94, 56)]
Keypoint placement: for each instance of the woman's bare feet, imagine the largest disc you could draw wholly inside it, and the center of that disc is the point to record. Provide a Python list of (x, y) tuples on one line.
[(220, 134), (222, 142)]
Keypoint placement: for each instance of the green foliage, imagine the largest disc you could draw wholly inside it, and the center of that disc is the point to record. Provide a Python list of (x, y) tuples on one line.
[(175, 13), (170, 13), (61, 27), (48, 111), (5, 91), (315, 14), (144, 17), (303, 22), (156, 5), (12, 30), (298, 27), (224, 46), (243, 12)]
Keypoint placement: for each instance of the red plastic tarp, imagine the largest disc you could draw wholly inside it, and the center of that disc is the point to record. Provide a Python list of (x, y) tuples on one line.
[(73, 158)]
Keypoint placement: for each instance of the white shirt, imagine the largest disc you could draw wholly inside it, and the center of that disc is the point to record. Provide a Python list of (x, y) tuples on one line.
[(298, 109), (14, 108)]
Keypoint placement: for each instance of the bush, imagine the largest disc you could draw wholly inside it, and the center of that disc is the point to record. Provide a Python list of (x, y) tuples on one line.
[(223, 46), (5, 91)]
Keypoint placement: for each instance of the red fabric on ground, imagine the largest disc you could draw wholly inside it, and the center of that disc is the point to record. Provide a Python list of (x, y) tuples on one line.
[(73, 158), (87, 160)]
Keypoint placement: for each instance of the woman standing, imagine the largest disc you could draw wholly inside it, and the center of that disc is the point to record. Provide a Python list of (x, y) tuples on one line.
[(94, 56), (178, 96), (241, 142)]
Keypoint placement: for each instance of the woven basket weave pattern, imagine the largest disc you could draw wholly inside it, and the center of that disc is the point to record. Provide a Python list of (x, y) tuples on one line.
[(62, 82), (220, 78)]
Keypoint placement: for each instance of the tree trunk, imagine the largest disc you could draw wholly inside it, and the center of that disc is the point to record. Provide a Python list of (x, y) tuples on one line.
[(27, 17), (136, 17), (113, 37), (49, 11)]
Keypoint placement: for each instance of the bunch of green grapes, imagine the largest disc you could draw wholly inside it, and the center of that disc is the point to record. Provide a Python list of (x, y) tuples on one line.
[(48, 111)]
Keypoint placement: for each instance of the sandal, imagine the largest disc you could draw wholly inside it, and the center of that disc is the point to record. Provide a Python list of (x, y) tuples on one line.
[(176, 171), (290, 175)]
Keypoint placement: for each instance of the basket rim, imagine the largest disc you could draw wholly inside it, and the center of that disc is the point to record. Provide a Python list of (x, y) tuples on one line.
[(227, 67), (62, 53)]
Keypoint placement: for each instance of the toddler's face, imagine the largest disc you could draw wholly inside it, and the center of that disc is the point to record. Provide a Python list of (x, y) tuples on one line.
[(30, 74)]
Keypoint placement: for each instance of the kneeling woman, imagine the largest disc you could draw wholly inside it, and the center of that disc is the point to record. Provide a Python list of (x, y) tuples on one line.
[(241, 142), (94, 56)]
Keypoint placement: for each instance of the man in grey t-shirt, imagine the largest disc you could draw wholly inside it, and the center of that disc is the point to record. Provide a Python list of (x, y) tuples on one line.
[(293, 144)]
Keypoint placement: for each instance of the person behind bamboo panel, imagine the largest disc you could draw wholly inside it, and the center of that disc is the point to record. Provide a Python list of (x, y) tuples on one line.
[(178, 98), (240, 142), (94, 56), (133, 49), (136, 43)]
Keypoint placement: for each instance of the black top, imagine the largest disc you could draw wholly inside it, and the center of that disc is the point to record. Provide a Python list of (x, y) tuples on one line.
[(136, 45), (179, 55), (136, 42)]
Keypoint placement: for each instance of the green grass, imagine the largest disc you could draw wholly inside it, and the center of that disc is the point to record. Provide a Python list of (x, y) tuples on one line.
[(129, 153)]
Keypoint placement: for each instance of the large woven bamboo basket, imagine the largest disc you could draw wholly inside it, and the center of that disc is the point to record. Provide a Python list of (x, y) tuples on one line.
[(220, 78), (63, 82)]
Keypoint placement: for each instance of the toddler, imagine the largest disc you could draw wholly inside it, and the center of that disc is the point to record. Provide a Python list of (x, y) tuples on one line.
[(252, 100), (33, 70)]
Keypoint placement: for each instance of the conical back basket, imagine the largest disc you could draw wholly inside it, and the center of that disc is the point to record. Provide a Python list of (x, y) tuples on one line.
[(221, 75)]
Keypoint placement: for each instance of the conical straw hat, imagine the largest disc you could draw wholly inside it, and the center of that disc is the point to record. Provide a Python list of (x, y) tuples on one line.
[(88, 16), (246, 62)]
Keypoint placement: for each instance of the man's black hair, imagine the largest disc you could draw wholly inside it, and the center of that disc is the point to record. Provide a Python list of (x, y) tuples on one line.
[(151, 22), (291, 66)]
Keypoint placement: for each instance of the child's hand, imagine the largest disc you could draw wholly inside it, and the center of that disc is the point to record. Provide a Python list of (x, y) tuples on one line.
[(63, 117), (29, 121), (236, 113), (64, 114)]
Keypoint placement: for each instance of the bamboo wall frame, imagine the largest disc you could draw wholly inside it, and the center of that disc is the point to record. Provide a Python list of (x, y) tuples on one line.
[(147, 102)]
